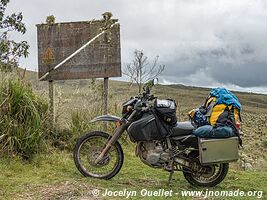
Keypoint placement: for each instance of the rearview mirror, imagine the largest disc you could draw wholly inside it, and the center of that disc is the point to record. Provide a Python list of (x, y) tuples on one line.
[(152, 82), (155, 81), (148, 85)]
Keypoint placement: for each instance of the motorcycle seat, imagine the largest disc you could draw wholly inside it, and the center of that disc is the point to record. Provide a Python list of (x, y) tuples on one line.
[(182, 128)]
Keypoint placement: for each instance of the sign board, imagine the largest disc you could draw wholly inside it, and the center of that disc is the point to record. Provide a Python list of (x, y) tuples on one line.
[(56, 42)]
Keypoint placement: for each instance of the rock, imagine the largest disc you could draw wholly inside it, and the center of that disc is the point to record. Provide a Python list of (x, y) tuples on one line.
[(248, 167)]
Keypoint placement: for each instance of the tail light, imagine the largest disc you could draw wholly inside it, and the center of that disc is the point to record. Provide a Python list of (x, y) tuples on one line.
[(238, 125)]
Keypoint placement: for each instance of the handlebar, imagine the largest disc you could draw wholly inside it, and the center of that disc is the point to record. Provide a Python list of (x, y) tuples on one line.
[(151, 97), (142, 104)]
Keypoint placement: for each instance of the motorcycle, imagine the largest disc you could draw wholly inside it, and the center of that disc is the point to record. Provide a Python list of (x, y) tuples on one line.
[(203, 162)]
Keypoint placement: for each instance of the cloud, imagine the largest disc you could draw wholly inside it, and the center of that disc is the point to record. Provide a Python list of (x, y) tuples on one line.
[(200, 42)]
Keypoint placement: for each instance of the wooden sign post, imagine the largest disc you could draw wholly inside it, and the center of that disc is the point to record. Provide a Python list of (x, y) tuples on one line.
[(79, 50), (51, 104), (105, 99)]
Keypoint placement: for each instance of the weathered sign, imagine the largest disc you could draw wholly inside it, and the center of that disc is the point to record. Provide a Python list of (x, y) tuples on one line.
[(62, 53)]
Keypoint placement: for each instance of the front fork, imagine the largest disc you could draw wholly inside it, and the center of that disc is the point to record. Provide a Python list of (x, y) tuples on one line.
[(116, 136)]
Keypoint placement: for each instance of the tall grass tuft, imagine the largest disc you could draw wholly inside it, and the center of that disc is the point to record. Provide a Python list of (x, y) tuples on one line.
[(22, 117)]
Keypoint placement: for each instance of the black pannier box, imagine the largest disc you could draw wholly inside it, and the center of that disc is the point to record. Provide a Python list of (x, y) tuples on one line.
[(155, 125), (144, 129)]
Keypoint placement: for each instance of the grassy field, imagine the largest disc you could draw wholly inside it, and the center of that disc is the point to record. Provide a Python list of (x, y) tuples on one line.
[(52, 175)]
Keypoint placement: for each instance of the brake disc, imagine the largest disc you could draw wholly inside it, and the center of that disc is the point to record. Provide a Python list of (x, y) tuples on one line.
[(208, 171), (93, 155)]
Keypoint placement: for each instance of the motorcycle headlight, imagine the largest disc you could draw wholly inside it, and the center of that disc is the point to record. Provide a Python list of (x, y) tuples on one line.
[(126, 109)]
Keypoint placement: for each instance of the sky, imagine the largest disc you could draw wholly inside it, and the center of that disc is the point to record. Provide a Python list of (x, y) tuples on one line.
[(208, 43)]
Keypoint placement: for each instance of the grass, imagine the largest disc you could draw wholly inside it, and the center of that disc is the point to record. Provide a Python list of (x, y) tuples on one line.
[(54, 176), (22, 115)]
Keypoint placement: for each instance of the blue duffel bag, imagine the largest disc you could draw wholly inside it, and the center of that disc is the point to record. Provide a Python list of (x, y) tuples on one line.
[(209, 131)]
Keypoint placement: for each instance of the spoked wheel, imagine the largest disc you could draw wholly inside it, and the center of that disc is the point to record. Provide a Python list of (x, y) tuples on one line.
[(87, 150), (212, 175)]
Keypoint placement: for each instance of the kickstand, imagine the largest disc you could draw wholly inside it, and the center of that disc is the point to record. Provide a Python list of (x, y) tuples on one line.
[(171, 170), (170, 178), (170, 166)]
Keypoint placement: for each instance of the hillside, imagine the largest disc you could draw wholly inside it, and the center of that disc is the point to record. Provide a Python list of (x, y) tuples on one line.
[(84, 96), (251, 102), (54, 176)]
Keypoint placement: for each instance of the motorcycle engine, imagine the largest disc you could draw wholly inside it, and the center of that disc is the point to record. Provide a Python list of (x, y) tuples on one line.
[(153, 153)]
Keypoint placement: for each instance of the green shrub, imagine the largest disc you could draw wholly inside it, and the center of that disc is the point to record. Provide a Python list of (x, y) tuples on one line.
[(60, 138), (64, 138), (80, 123), (22, 118)]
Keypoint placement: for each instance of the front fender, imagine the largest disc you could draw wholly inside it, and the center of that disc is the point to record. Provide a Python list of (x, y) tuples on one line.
[(106, 118)]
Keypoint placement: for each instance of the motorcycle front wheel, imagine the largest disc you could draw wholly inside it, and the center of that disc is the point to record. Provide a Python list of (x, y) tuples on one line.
[(213, 176), (88, 148)]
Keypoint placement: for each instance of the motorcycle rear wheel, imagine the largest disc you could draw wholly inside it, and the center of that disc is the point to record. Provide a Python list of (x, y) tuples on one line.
[(213, 178), (89, 147)]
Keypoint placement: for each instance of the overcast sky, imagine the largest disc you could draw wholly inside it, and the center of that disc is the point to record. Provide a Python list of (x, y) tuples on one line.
[(201, 42)]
